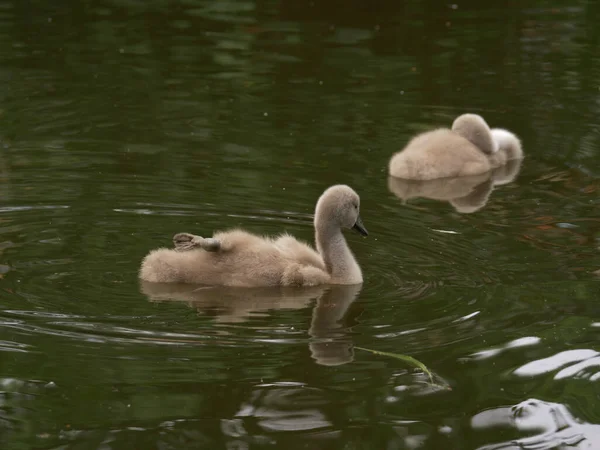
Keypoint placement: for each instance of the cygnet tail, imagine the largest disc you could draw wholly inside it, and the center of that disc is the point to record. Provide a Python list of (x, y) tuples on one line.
[(162, 266), (508, 143)]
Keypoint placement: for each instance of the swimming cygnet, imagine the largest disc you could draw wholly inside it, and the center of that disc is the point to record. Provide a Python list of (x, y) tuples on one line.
[(469, 148), (239, 258)]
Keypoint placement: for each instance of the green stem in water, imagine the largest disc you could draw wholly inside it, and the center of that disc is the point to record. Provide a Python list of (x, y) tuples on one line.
[(407, 359)]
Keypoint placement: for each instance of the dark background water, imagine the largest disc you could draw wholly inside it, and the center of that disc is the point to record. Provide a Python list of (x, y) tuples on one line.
[(123, 122)]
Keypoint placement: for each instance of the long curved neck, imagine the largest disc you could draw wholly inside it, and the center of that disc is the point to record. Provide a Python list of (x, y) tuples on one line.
[(339, 260)]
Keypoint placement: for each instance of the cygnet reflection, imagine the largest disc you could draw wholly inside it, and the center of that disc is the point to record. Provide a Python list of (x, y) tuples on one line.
[(331, 345), (466, 194), (330, 342), (554, 426)]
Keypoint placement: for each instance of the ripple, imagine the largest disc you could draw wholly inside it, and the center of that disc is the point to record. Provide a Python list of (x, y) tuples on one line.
[(261, 215), (577, 362), (537, 424), (41, 314), (517, 343), (31, 208), (426, 255), (583, 357), (328, 341), (281, 407), (10, 346), (95, 333), (405, 384)]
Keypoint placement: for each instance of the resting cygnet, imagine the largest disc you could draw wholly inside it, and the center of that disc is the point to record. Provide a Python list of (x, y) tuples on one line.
[(239, 258), (469, 148)]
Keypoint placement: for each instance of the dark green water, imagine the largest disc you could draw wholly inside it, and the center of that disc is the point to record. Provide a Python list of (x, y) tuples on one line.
[(123, 122)]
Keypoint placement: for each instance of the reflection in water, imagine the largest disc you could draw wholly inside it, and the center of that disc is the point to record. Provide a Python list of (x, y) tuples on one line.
[(280, 407), (231, 304), (465, 194), (4, 173), (554, 426), (5, 195), (16, 400), (330, 344), (580, 363), (496, 350)]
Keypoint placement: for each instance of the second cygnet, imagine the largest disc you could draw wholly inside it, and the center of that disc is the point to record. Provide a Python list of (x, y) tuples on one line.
[(469, 148)]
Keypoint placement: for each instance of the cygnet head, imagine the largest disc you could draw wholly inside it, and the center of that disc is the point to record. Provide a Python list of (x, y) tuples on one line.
[(473, 128), (339, 206)]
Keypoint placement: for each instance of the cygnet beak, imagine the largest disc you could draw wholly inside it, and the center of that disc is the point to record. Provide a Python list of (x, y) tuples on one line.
[(358, 226)]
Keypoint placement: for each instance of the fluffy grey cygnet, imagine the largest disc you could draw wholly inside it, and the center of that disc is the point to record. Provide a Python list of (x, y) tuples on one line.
[(469, 148), (239, 258)]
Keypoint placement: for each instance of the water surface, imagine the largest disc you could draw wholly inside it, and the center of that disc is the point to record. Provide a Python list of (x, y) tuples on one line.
[(124, 122)]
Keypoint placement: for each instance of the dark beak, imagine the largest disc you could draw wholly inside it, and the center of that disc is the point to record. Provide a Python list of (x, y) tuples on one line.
[(358, 226)]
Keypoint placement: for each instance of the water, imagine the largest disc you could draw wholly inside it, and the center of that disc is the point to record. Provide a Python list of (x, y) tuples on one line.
[(123, 122)]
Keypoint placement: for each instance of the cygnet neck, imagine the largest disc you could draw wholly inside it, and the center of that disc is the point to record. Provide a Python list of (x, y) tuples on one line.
[(475, 129), (337, 256)]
